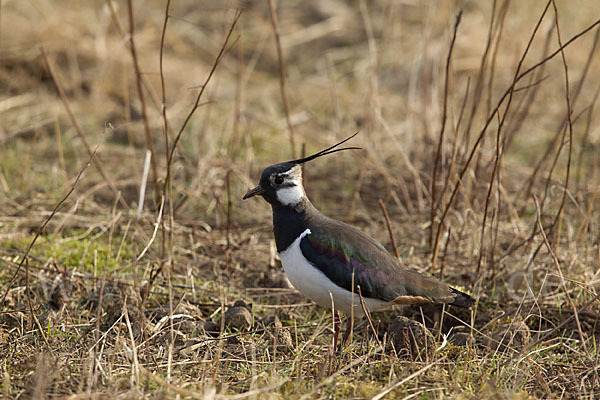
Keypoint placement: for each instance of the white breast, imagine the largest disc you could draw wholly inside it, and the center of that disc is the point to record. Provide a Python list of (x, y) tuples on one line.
[(315, 285)]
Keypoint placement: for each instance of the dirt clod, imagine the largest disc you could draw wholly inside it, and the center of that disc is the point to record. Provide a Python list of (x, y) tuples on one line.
[(279, 336), (212, 328), (411, 339), (460, 339), (238, 317)]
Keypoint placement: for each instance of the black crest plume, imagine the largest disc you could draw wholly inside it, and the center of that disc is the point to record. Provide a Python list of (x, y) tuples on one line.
[(328, 150)]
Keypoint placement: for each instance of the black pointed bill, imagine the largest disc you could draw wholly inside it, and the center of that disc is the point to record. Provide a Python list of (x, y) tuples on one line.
[(253, 192)]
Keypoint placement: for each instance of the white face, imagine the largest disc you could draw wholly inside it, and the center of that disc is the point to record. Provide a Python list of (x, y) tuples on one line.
[(290, 192)]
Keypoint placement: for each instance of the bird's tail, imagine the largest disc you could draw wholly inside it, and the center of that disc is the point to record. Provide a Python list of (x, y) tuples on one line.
[(462, 299)]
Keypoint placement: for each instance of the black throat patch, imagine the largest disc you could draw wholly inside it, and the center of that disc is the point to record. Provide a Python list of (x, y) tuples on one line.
[(289, 222)]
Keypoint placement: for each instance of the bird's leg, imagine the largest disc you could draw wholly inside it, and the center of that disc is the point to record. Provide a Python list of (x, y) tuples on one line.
[(345, 337), (337, 322), (347, 332)]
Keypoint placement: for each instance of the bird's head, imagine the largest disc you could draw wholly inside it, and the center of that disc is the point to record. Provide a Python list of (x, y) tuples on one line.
[(281, 184)]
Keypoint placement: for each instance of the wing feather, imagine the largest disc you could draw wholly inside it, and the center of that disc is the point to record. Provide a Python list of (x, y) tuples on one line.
[(351, 259)]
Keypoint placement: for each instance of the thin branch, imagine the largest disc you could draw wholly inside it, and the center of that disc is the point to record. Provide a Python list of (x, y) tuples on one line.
[(92, 153), (171, 151), (492, 115), (527, 101), (478, 87), (237, 16), (561, 210), (162, 78), (528, 186), (495, 176), (282, 83), (169, 192), (559, 50), (503, 11), (140, 90), (156, 102), (438, 153), (389, 227)]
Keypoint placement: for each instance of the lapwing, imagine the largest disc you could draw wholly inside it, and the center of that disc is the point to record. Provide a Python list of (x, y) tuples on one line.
[(333, 263)]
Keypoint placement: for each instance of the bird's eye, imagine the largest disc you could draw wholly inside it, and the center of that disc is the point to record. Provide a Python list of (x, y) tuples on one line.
[(278, 180)]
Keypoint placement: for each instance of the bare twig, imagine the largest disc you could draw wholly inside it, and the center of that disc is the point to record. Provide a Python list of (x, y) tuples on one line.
[(452, 163), (478, 87), (237, 16), (92, 153), (438, 152), (140, 90), (389, 227), (559, 215), (165, 121), (508, 92), (168, 193), (559, 50), (527, 101), (503, 11), (528, 186), (162, 78), (495, 176), (282, 83), (156, 102), (171, 152)]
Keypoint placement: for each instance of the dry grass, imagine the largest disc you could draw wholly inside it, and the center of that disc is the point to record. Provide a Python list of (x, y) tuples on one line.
[(109, 302)]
